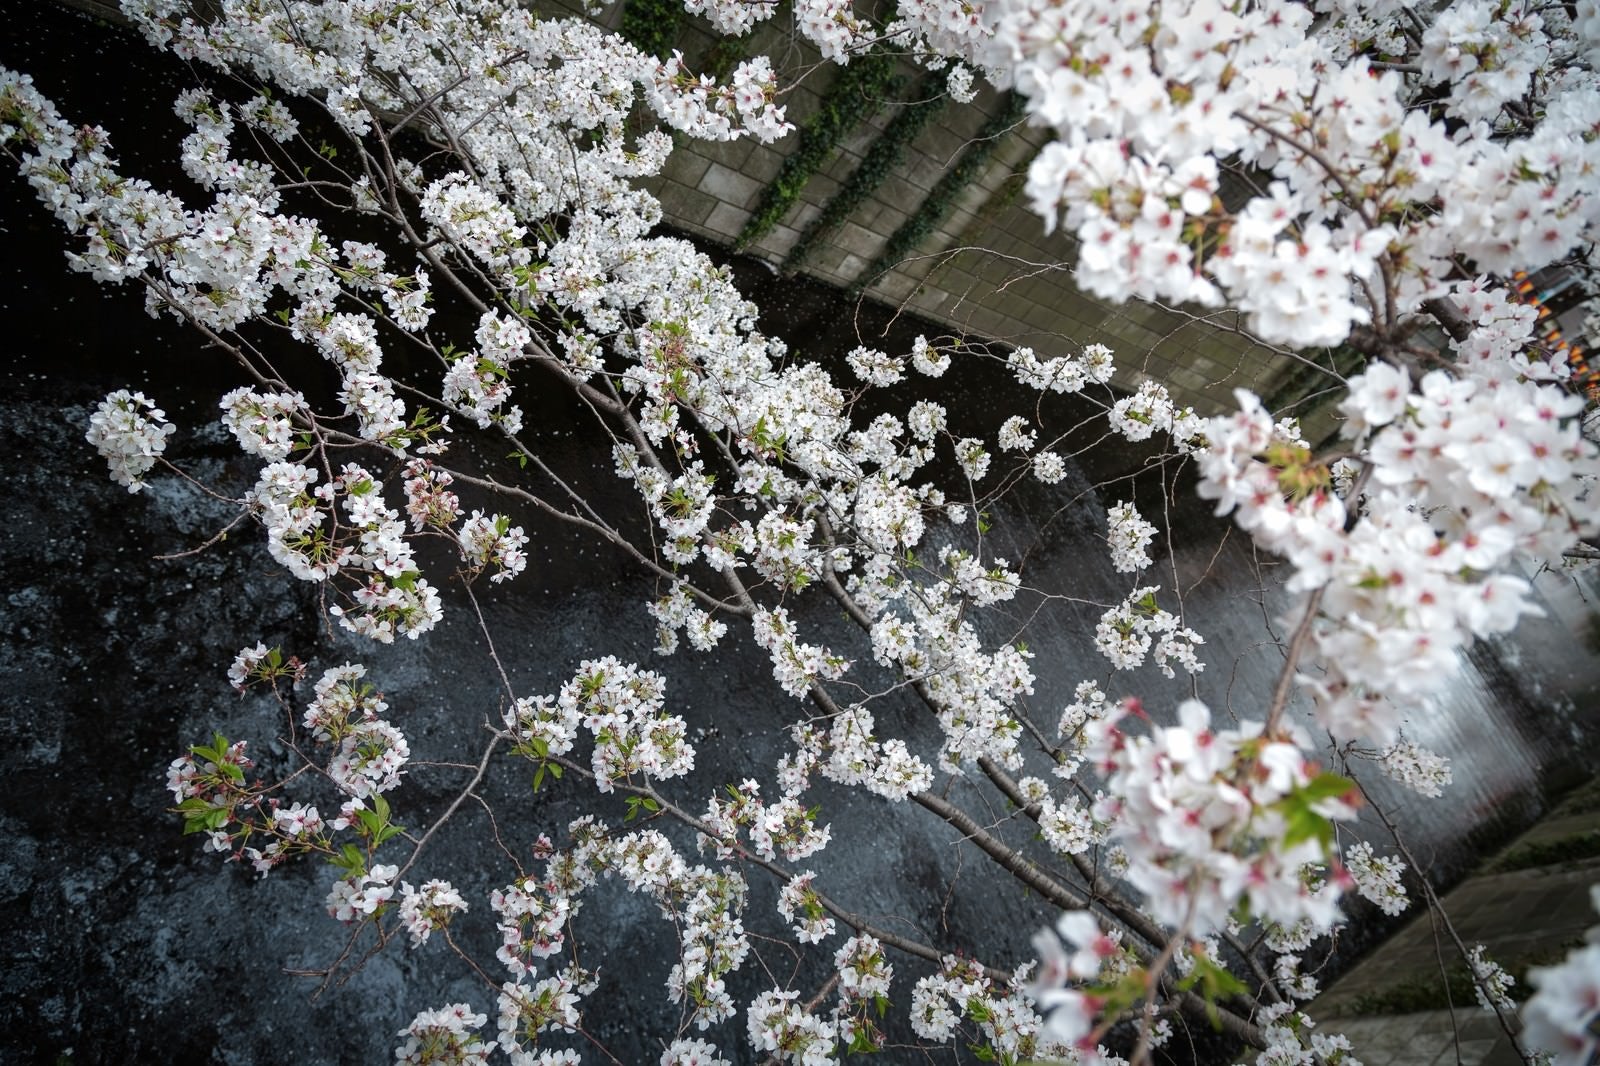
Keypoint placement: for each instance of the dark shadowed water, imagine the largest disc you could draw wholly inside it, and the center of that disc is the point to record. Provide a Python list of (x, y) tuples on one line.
[(126, 943)]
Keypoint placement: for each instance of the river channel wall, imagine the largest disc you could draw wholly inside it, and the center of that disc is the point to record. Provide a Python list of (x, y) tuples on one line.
[(985, 271)]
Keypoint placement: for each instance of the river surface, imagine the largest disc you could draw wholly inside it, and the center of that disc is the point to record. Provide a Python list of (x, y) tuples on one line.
[(126, 943)]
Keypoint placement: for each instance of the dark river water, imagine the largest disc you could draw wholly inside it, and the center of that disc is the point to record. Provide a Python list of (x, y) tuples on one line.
[(126, 943)]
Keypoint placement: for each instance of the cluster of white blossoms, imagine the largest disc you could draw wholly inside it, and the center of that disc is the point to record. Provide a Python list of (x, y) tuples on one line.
[(1138, 626), (701, 108), (1004, 1015), (1464, 473), (1377, 878), (1211, 819), (704, 906), (478, 383), (1129, 536), (487, 540), (1490, 981), (850, 753), (798, 904), (1145, 102), (445, 1037), (795, 666), (623, 708), (780, 1024), (262, 423), (551, 1004), (1414, 766), (783, 826), (358, 897), (131, 432), (369, 753), (677, 612), (1063, 373), (429, 499), (532, 918), (431, 907)]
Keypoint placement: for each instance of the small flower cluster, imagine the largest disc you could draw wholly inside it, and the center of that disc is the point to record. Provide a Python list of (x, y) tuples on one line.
[(1211, 819), (864, 976), (1062, 374), (779, 1024), (347, 711), (1377, 878), (261, 663), (429, 501), (1129, 536), (623, 707), (1416, 767), (487, 540), (1005, 1017), (532, 918), (701, 108), (850, 754), (444, 1037), (781, 827), (796, 666), (131, 432), (1465, 472), (1490, 982), (1137, 626), (262, 422), (362, 895), (798, 900), (526, 1011), (425, 909)]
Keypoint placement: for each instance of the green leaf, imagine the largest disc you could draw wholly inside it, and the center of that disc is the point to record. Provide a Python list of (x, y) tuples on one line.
[(1326, 786)]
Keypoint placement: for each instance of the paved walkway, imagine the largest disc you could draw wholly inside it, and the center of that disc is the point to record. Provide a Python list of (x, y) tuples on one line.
[(1524, 917)]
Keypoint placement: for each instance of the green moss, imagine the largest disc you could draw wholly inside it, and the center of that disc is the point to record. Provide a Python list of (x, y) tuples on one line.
[(937, 204), (1538, 853), (987, 215), (858, 91), (1414, 994), (880, 161), (652, 26)]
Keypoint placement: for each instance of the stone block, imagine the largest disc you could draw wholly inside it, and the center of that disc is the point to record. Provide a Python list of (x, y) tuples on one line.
[(684, 206), (725, 221), (731, 187), (858, 240), (686, 165)]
